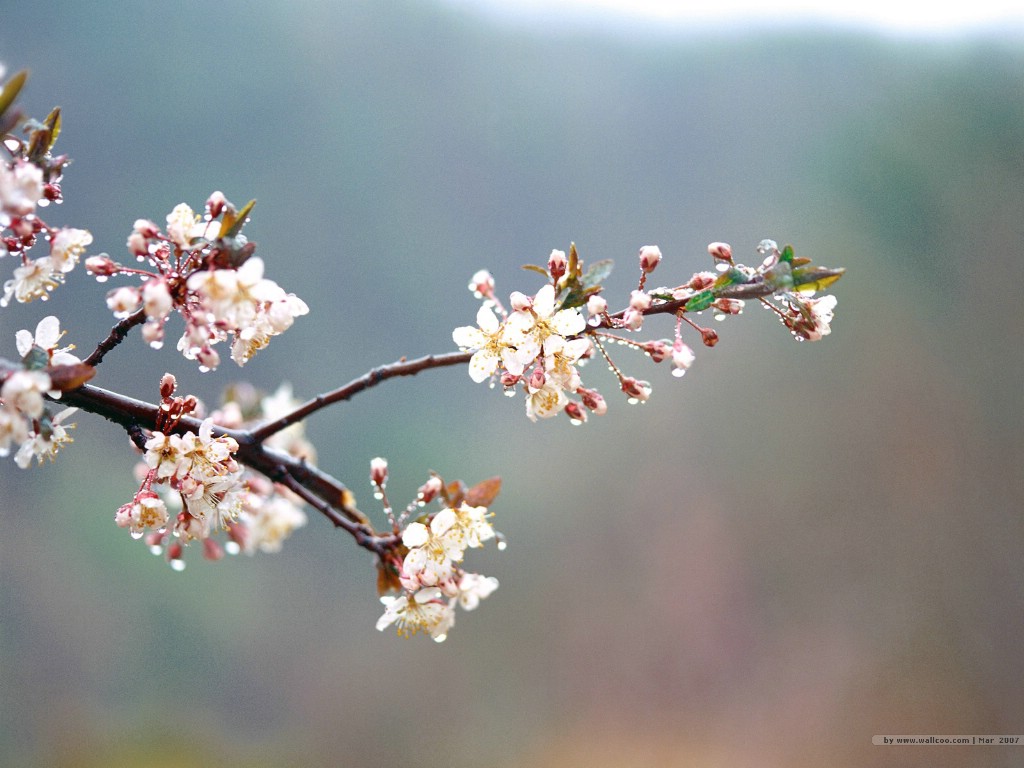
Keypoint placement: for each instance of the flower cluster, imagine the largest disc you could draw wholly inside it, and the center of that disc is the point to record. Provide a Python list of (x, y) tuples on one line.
[(540, 345), (203, 269), (30, 180), (425, 566), (192, 488), (26, 419)]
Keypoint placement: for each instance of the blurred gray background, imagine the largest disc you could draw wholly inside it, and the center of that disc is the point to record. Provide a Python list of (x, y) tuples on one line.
[(796, 547)]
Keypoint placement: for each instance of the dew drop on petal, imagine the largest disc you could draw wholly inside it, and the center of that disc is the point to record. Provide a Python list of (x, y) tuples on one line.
[(178, 565), (440, 638), (137, 535), (678, 373), (160, 345)]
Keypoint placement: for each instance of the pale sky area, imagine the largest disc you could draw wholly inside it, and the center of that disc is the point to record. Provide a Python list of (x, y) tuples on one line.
[(907, 16)]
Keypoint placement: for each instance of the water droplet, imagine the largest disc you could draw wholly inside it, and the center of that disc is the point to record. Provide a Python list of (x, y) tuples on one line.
[(178, 565), (232, 548), (440, 638), (102, 279), (721, 266), (575, 422), (156, 549), (137, 535), (157, 344), (502, 545), (678, 373), (378, 495)]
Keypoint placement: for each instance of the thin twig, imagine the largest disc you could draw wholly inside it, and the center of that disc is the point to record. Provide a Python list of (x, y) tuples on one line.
[(117, 335), (369, 379)]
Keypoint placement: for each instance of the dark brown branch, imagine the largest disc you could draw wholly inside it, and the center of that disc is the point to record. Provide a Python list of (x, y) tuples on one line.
[(133, 414), (369, 379), (117, 335)]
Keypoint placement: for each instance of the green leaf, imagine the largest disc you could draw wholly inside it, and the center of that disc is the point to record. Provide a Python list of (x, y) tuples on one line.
[(11, 90), (815, 278), (578, 290), (787, 254), (700, 301), (233, 222), (535, 268), (53, 122)]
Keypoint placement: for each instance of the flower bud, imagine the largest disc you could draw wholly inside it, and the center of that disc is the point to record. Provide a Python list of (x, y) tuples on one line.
[(593, 400), (709, 336), (167, 385), (637, 391), (429, 490), (682, 357), (156, 299), (379, 471), (728, 306), (650, 255), (556, 264), (658, 350), (215, 204), (575, 412), (640, 300), (721, 251), (702, 281), (146, 228), (520, 301), (632, 319), (101, 266), (537, 379), (482, 284), (596, 305)]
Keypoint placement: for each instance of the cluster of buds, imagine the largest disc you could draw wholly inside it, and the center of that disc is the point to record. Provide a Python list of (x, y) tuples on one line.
[(203, 268), (192, 488), (27, 419), (29, 180), (540, 345), (424, 565)]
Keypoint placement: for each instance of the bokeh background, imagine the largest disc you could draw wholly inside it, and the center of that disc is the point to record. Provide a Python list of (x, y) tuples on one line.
[(793, 549)]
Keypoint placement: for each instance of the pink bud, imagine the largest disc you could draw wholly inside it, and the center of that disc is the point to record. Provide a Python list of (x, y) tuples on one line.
[(101, 266), (215, 204), (596, 305), (575, 411), (640, 300), (556, 264), (482, 284), (208, 357), (721, 251), (379, 471), (146, 228), (429, 490), (593, 400), (635, 389), (728, 306), (709, 336), (650, 255), (167, 385), (509, 379), (702, 280), (633, 319), (658, 350), (520, 301), (537, 379), (212, 550)]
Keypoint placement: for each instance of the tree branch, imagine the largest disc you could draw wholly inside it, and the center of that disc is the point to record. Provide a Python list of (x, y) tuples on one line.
[(369, 379)]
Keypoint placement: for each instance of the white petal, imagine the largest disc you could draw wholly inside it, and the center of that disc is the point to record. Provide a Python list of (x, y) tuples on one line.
[(415, 535), (487, 320), (48, 332), (469, 337), (544, 301), (24, 341), (482, 365), (568, 322)]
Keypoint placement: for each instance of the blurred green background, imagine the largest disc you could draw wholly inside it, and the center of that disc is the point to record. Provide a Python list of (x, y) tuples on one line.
[(796, 547)]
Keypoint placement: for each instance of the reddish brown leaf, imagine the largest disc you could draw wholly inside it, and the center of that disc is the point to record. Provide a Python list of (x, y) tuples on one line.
[(69, 377), (484, 493)]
